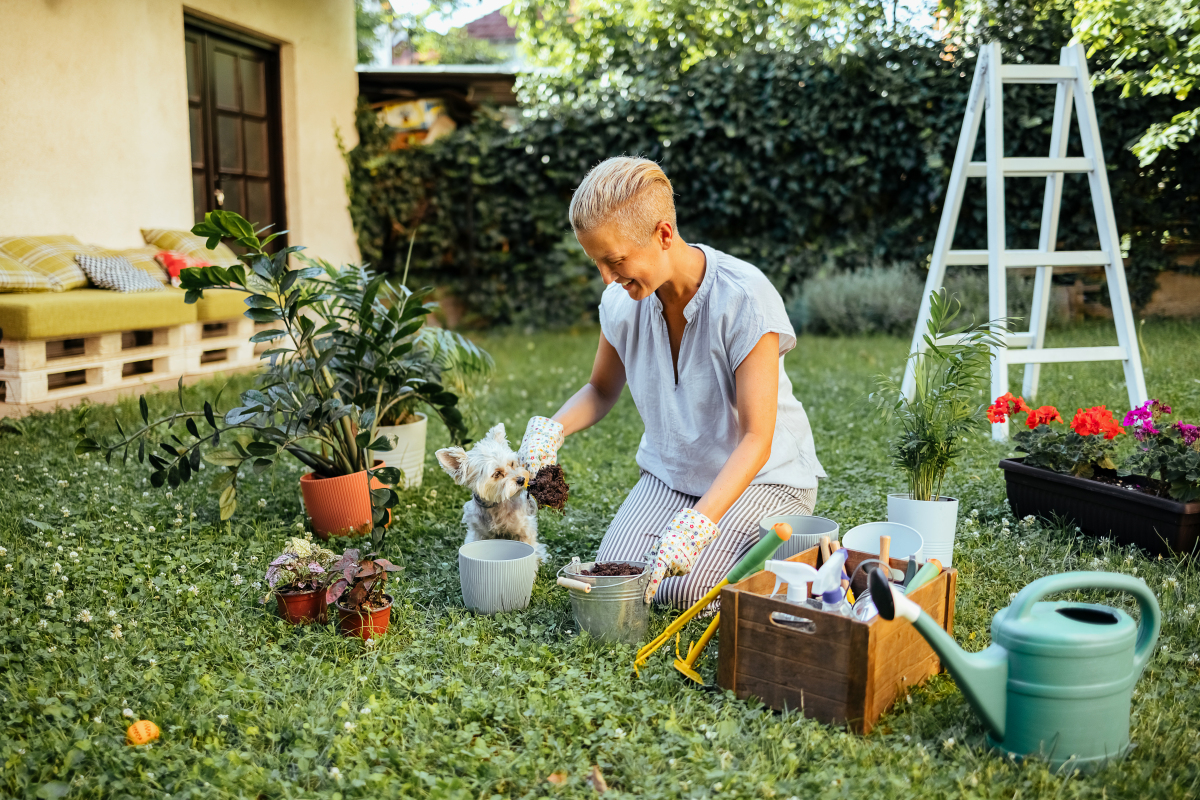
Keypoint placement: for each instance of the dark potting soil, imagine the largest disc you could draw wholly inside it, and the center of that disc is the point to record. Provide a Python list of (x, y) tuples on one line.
[(1133, 483), (549, 487), (613, 570)]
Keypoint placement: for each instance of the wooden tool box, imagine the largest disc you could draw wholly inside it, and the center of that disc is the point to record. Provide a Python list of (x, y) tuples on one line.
[(832, 668)]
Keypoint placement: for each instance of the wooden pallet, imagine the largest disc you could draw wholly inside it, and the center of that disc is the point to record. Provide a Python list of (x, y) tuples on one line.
[(46, 373)]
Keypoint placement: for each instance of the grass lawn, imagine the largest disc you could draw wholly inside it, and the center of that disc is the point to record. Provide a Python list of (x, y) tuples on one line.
[(120, 596)]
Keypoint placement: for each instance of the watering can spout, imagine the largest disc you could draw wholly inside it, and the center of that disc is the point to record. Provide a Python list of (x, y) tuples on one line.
[(982, 677)]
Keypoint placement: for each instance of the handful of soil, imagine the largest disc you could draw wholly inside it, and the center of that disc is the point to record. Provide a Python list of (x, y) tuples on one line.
[(613, 570), (549, 487)]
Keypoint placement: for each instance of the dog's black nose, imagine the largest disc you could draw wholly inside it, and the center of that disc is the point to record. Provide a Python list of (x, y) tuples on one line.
[(521, 480)]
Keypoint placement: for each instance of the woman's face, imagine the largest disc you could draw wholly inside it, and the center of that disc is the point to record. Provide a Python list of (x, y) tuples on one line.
[(639, 268)]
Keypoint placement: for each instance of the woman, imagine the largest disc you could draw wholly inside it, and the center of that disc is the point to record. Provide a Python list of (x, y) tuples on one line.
[(699, 336)]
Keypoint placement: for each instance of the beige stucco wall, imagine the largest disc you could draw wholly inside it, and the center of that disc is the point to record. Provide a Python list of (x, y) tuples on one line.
[(94, 122)]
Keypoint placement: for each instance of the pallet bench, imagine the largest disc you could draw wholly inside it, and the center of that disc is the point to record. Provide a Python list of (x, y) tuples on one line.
[(58, 348)]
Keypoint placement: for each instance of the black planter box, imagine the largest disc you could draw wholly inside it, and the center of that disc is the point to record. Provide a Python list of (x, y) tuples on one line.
[(1155, 524)]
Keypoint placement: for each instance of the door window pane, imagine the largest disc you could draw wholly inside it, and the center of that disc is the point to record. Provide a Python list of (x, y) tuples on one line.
[(258, 203), (192, 52), (229, 142), (256, 147), (254, 86), (199, 196), (234, 189), (225, 80), (197, 133)]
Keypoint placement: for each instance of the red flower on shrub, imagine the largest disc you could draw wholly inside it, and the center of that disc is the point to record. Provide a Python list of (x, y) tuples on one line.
[(1096, 420), (1042, 416), (1005, 406)]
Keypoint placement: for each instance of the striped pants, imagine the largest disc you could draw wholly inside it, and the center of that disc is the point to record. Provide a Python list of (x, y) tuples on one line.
[(650, 506)]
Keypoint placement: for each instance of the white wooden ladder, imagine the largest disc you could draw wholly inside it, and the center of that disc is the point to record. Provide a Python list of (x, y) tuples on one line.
[(1071, 79)]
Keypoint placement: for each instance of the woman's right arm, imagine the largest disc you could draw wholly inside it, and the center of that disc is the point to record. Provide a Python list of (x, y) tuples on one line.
[(589, 405)]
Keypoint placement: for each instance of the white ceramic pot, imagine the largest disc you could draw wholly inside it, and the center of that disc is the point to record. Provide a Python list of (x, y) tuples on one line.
[(806, 532), (408, 450), (936, 520), (496, 575)]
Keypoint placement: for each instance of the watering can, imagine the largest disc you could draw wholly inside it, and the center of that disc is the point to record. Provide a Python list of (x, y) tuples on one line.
[(1057, 679)]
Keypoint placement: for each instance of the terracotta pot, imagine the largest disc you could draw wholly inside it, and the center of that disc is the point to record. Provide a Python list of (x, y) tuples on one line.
[(300, 608), (364, 626), (339, 506)]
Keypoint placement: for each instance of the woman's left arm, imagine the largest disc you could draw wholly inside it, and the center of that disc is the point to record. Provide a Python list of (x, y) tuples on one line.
[(757, 381)]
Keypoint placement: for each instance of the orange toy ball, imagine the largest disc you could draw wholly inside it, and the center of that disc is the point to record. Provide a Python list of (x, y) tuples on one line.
[(142, 732)]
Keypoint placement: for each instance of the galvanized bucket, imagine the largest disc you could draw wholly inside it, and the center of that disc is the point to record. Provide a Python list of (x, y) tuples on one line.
[(613, 611)]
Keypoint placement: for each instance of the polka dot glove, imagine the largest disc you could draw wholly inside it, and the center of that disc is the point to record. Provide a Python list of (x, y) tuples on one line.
[(539, 448), (680, 545)]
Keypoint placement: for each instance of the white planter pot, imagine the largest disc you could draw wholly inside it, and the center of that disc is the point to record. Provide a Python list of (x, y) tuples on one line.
[(408, 450), (936, 520)]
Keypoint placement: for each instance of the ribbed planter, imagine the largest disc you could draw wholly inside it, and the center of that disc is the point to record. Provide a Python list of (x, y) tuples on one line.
[(364, 626), (408, 450), (339, 506), (1156, 524), (807, 531), (300, 608), (936, 520), (496, 575)]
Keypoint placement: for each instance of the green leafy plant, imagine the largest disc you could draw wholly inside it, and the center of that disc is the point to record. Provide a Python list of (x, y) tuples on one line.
[(362, 582), (1063, 450), (951, 370), (1168, 450), (302, 566), (303, 406)]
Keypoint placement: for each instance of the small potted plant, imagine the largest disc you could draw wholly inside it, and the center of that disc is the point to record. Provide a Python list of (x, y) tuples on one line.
[(1151, 498), (951, 371), (364, 609), (297, 578)]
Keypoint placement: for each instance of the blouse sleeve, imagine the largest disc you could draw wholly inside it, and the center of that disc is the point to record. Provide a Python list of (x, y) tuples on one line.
[(613, 323), (756, 312)]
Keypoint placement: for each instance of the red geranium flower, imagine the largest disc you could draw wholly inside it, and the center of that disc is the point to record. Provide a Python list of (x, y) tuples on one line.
[(1005, 406), (1042, 416), (1096, 420)]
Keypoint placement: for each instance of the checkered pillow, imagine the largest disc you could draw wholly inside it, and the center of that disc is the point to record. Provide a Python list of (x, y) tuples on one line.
[(118, 274)]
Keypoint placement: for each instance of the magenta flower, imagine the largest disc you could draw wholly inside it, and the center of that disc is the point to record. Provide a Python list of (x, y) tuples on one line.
[(1190, 433), (1141, 419)]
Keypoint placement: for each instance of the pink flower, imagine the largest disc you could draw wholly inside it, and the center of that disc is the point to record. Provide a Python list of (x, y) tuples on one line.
[(1190, 433)]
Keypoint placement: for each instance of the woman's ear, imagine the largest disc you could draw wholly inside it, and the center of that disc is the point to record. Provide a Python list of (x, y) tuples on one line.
[(664, 234), (454, 461)]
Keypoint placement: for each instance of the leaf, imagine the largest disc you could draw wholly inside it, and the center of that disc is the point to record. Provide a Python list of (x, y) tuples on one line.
[(192, 429), (267, 336), (262, 314), (53, 790), (222, 480), (228, 502), (262, 449), (185, 470), (261, 465), (41, 526), (144, 408), (158, 478), (208, 415), (223, 458)]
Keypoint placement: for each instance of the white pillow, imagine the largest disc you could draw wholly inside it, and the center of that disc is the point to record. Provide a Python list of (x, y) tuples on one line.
[(117, 273)]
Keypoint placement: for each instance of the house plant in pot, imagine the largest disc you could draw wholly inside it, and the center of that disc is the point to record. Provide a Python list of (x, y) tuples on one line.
[(951, 371), (364, 609), (297, 578), (401, 363), (304, 405)]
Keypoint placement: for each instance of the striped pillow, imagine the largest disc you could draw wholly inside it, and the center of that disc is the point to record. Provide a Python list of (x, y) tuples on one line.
[(52, 256), (142, 258), (190, 245), (118, 274), (18, 277)]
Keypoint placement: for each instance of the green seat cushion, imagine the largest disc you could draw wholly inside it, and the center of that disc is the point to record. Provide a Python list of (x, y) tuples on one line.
[(220, 304), (83, 312)]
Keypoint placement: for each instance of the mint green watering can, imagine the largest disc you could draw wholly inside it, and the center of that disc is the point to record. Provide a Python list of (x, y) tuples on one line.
[(1057, 679)]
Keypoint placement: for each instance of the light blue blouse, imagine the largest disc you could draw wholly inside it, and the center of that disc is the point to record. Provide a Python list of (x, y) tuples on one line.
[(692, 427)]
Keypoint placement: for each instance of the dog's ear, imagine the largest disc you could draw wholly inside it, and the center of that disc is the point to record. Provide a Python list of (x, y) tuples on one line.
[(454, 461), (497, 434)]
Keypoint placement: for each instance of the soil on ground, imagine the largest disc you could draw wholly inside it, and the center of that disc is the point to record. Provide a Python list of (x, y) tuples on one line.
[(549, 487), (613, 570), (1133, 483)]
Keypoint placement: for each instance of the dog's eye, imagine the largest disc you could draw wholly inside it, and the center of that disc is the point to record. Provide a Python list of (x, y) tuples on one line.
[(499, 474)]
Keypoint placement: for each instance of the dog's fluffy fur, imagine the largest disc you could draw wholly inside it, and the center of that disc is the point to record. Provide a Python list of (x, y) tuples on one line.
[(491, 471)]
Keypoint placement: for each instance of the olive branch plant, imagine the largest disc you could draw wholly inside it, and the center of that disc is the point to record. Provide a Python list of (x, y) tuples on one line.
[(340, 355)]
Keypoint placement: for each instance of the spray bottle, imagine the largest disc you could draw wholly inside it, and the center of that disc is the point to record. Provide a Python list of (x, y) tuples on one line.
[(797, 575)]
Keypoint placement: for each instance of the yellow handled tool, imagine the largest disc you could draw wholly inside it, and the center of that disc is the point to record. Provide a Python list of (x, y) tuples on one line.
[(751, 562)]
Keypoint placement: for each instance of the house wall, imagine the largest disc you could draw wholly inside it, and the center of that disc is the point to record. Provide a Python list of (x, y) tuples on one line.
[(94, 134)]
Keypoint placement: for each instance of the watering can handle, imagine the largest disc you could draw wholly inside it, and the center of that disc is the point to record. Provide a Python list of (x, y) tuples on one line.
[(1148, 626)]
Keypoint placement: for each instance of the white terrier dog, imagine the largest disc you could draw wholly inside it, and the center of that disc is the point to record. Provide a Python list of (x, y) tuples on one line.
[(500, 507)]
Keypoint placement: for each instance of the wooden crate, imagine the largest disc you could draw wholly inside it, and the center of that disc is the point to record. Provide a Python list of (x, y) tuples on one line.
[(219, 346), (832, 668)]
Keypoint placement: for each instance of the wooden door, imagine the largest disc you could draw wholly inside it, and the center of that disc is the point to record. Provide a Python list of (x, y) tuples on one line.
[(233, 108)]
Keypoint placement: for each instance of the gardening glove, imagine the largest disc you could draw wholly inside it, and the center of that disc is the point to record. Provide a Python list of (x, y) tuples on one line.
[(539, 448), (680, 545)]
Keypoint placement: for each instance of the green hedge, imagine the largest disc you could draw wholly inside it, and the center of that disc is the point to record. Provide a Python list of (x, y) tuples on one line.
[(794, 161)]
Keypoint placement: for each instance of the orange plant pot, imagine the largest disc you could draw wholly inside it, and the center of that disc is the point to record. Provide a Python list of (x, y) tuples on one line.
[(339, 506), (301, 608), (364, 626)]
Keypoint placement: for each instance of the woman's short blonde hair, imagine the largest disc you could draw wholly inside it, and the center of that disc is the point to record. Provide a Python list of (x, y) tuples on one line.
[(632, 192)]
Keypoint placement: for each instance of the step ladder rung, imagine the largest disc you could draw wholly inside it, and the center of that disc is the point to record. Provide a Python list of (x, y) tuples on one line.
[(1022, 339), (1060, 355), (1017, 259), (1031, 167), (1036, 73)]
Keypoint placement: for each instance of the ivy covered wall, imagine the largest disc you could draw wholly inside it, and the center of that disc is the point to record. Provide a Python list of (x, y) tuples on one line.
[(793, 161)]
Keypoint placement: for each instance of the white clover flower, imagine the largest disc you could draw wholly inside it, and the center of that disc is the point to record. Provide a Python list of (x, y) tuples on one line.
[(1194, 659), (84, 615), (619, 733), (55, 568), (193, 515), (64, 579), (3, 551), (349, 726), (237, 580), (252, 558), (257, 584), (262, 502), (74, 555), (145, 494), (193, 590), (365, 710), (116, 632), (59, 548), (433, 492), (66, 512), (50, 600), (112, 613), (63, 484), (178, 521), (152, 661), (711, 734), (150, 529), (336, 773), (170, 495), (8, 567), (182, 568), (372, 643), (948, 744), (223, 718), (51, 648), (43, 624), (97, 720), (127, 712)]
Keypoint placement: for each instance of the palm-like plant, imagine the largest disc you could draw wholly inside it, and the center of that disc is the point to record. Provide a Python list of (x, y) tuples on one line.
[(951, 372)]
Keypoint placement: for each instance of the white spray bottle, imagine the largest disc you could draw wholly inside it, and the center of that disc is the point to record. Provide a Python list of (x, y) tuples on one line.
[(797, 575)]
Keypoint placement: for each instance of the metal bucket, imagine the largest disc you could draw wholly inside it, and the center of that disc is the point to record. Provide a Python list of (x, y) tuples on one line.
[(613, 611)]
